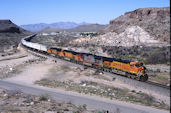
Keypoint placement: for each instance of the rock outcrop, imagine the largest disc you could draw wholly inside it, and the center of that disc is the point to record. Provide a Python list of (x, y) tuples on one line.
[(10, 35), (155, 21), (148, 27), (6, 26), (133, 35)]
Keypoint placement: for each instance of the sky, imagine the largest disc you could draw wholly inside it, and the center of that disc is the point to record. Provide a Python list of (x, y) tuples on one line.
[(91, 11)]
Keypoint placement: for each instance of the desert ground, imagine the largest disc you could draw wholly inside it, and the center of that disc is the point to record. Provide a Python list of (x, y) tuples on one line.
[(25, 68)]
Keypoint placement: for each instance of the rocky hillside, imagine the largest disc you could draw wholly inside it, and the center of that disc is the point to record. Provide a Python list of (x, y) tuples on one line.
[(10, 34), (133, 35), (155, 21), (148, 26), (6, 26)]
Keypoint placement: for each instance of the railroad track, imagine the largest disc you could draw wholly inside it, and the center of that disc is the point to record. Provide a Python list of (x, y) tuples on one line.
[(158, 84), (39, 54), (11, 58)]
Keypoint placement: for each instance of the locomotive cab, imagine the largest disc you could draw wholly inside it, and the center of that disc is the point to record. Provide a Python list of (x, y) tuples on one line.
[(140, 70), (139, 66)]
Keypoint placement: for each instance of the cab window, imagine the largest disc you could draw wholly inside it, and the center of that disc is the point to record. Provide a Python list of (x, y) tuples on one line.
[(137, 65), (131, 65)]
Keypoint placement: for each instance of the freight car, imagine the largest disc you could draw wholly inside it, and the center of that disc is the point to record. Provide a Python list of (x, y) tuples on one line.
[(39, 47), (127, 68)]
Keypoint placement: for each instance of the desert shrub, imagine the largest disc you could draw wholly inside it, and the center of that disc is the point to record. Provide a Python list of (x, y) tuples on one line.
[(157, 58), (148, 55), (43, 97)]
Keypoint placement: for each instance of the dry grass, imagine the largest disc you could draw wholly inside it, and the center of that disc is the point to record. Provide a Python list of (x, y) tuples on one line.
[(161, 77), (94, 88), (19, 102)]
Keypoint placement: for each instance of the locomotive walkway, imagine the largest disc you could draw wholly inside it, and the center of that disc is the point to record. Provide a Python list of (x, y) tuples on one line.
[(80, 99)]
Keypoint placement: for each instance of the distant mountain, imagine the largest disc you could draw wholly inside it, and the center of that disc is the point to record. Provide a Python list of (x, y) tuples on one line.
[(50, 29), (61, 25), (81, 28), (87, 28)]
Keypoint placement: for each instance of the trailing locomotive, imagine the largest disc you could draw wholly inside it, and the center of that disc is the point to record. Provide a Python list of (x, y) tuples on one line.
[(131, 69)]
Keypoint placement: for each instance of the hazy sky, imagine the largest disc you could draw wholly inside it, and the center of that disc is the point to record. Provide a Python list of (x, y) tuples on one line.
[(91, 11)]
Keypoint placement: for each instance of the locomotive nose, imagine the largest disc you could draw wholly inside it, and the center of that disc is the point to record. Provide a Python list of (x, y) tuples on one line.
[(144, 67)]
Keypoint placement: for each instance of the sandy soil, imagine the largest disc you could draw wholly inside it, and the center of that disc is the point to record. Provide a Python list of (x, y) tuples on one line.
[(33, 73), (76, 74), (63, 71), (12, 64)]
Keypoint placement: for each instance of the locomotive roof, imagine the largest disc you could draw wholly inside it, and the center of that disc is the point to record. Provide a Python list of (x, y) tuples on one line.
[(59, 49), (97, 57), (115, 59), (73, 52), (108, 59)]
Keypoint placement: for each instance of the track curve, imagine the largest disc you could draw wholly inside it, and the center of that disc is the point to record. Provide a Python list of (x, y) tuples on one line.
[(28, 38)]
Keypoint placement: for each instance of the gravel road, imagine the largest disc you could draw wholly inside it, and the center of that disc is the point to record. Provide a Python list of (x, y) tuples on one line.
[(79, 99)]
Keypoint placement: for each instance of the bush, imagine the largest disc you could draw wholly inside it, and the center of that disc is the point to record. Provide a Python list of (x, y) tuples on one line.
[(157, 58), (113, 78), (43, 97)]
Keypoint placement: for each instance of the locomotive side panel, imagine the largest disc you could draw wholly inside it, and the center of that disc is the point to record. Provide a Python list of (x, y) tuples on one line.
[(79, 57), (68, 55), (88, 58), (62, 53)]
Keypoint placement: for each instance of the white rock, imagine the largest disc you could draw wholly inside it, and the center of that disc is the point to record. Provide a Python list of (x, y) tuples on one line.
[(27, 104), (31, 103), (15, 103), (11, 69), (84, 85), (5, 95)]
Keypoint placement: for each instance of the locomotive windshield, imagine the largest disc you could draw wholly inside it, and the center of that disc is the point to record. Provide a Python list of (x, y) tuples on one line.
[(139, 64)]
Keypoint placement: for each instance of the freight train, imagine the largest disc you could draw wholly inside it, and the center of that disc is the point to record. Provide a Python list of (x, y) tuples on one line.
[(131, 69)]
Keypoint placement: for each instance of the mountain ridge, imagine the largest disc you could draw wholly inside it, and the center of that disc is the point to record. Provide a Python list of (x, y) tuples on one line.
[(80, 28), (61, 25)]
